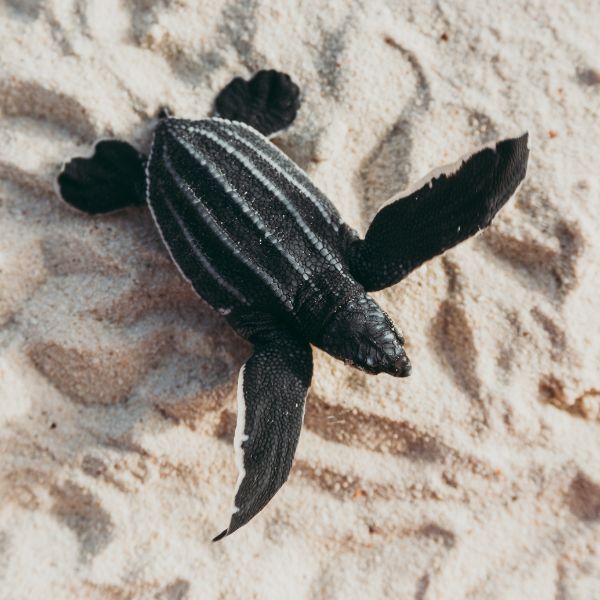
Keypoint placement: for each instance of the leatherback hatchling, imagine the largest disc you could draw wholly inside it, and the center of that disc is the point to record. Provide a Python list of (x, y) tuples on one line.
[(270, 252)]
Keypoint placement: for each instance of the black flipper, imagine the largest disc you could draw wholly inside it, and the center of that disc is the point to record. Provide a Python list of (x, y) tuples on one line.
[(447, 207), (268, 102), (272, 389), (111, 179)]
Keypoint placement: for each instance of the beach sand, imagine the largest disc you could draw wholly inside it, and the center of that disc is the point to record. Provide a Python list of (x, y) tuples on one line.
[(477, 477)]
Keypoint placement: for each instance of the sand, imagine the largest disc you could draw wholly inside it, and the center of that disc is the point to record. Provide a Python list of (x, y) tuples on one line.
[(478, 477)]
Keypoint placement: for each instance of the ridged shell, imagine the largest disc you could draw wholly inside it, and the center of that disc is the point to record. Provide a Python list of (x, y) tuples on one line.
[(243, 222)]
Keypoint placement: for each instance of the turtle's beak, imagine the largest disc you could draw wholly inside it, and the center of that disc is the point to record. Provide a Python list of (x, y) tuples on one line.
[(401, 367)]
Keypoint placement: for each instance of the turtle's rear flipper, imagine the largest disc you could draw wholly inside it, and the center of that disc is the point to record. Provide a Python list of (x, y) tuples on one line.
[(445, 208), (268, 102), (111, 179), (272, 388)]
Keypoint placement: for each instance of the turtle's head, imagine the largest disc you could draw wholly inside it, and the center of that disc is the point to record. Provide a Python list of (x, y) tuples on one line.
[(361, 334)]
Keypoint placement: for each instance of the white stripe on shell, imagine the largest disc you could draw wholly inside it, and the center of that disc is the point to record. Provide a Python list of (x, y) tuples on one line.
[(220, 233), (276, 161), (326, 252), (304, 271), (162, 237), (153, 215), (201, 258)]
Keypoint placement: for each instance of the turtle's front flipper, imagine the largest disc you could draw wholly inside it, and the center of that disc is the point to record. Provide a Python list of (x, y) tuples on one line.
[(268, 102), (272, 388), (112, 178), (449, 206)]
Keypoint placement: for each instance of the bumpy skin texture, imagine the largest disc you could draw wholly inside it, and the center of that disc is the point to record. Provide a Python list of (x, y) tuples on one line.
[(261, 244)]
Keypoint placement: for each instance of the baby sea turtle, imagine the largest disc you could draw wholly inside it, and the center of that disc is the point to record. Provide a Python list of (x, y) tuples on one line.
[(264, 247)]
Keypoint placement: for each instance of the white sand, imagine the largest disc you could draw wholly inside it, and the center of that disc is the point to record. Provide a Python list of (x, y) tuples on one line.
[(479, 477)]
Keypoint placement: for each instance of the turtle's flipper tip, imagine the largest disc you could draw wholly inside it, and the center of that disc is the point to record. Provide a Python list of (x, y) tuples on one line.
[(516, 148), (524, 137), (220, 536)]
